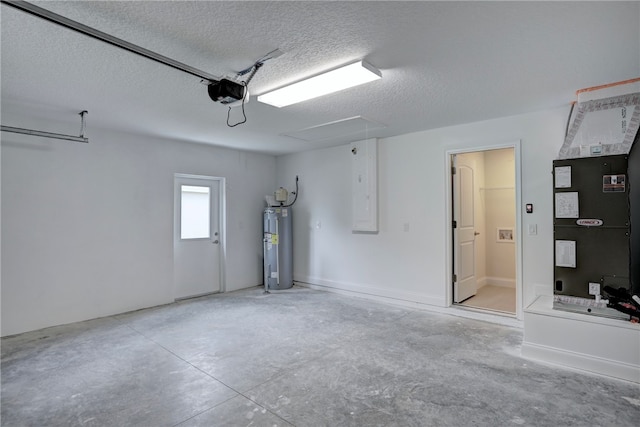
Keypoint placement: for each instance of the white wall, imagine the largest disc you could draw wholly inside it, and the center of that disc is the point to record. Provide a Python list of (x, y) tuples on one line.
[(498, 196), (412, 265), (87, 229)]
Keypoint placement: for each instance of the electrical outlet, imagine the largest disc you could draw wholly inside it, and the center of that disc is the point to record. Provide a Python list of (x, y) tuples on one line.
[(594, 288)]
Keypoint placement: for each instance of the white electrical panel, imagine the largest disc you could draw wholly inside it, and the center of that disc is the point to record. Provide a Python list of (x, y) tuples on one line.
[(364, 185)]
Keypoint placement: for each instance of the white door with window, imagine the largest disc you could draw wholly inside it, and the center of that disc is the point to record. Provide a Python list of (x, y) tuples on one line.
[(464, 232), (196, 240)]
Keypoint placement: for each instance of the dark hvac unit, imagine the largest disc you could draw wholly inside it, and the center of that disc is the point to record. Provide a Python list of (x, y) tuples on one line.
[(596, 245), (597, 205), (634, 204)]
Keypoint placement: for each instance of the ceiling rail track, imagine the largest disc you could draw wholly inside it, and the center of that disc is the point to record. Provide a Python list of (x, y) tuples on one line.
[(107, 38), (45, 134), (80, 138)]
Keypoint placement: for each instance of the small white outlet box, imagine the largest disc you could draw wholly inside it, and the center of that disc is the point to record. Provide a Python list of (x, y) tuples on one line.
[(594, 288)]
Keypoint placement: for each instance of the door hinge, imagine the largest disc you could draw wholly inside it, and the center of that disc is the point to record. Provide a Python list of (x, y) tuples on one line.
[(455, 278), (453, 170), (455, 224)]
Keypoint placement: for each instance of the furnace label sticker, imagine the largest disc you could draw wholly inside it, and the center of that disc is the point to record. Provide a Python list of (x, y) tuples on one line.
[(566, 253), (563, 176), (613, 184), (567, 205), (274, 239)]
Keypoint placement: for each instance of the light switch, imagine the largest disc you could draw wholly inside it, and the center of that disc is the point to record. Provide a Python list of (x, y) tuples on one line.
[(533, 229)]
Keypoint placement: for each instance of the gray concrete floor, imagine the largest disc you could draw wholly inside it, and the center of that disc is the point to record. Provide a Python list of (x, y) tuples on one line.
[(297, 357)]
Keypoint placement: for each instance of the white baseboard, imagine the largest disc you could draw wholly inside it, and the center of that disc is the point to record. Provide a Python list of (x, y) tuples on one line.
[(590, 343), (503, 282), (581, 361), (402, 299), (408, 299)]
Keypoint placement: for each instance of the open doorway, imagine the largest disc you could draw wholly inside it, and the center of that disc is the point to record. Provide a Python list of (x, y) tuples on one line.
[(484, 230)]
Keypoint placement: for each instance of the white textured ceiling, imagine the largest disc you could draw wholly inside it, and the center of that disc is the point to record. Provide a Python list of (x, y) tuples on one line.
[(443, 63)]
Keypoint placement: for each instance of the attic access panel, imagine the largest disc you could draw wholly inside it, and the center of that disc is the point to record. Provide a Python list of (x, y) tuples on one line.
[(350, 129)]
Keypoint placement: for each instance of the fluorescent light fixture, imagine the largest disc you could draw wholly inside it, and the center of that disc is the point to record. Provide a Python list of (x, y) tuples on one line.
[(332, 81)]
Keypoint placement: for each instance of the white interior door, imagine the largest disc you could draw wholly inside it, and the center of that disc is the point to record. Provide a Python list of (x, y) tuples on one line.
[(196, 240), (464, 233)]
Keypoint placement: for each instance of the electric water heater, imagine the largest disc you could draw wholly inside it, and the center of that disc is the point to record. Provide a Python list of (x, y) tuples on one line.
[(278, 248)]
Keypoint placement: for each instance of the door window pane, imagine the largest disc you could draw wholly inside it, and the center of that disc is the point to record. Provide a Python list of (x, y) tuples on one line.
[(194, 212)]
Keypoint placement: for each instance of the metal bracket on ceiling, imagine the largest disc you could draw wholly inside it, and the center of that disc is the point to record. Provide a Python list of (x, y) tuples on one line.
[(32, 132), (82, 122)]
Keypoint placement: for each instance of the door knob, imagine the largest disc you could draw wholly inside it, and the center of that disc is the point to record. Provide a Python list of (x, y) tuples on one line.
[(476, 233), (215, 242)]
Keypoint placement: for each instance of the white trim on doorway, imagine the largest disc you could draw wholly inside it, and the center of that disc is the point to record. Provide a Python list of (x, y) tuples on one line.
[(516, 145)]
